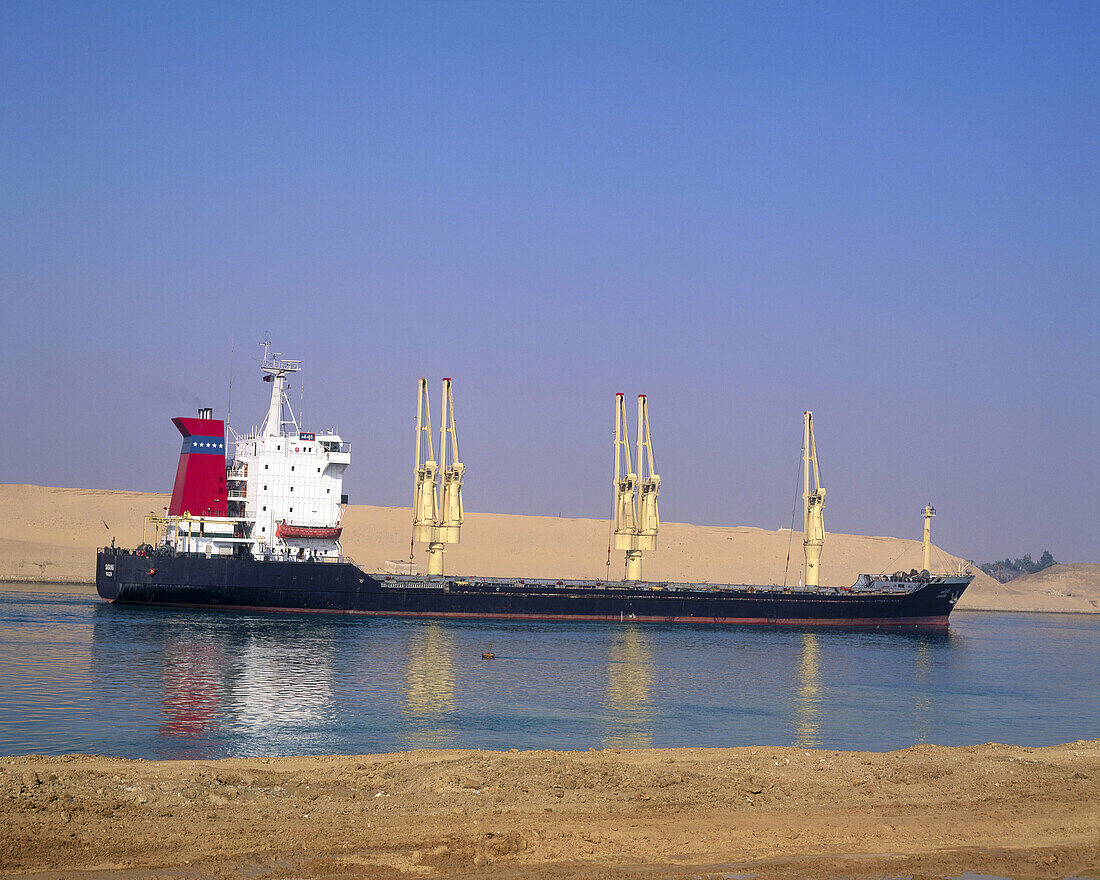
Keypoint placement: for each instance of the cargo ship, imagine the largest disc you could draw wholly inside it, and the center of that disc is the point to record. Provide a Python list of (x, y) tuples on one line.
[(255, 523)]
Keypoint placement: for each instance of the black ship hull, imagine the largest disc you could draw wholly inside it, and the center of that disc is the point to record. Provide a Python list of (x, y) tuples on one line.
[(342, 587)]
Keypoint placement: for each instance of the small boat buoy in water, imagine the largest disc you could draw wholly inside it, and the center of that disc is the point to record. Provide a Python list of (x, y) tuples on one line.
[(488, 655)]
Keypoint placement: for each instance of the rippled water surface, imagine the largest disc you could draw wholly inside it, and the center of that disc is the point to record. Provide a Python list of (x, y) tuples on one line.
[(78, 675)]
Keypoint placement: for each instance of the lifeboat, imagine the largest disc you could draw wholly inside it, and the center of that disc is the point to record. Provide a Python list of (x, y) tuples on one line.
[(286, 530)]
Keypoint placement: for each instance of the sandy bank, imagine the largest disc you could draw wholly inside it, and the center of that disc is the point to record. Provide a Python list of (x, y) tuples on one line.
[(50, 535), (771, 812), (1058, 588)]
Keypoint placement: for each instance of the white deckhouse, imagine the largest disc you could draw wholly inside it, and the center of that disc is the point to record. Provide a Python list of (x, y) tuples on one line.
[(286, 484)]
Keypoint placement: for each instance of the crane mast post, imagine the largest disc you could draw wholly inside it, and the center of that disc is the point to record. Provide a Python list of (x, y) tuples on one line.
[(926, 544)]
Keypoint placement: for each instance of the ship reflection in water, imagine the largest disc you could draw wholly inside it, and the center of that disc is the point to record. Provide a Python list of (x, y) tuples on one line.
[(429, 702), (191, 689), (809, 694), (627, 716), (281, 686), (259, 685), (922, 701)]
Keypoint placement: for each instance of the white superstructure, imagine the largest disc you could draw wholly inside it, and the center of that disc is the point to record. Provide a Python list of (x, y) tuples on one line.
[(287, 483), (284, 487)]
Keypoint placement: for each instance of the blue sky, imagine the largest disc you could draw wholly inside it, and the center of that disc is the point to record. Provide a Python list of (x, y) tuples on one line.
[(883, 212)]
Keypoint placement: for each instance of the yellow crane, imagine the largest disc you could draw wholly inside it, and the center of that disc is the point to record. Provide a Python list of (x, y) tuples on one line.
[(437, 504), (813, 497), (636, 517)]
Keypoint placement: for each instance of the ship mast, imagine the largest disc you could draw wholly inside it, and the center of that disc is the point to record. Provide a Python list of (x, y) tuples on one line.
[(636, 521), (926, 545), (813, 497), (437, 524), (276, 368)]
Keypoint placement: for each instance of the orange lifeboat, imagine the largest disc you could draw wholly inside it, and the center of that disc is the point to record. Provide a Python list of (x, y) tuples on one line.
[(285, 530)]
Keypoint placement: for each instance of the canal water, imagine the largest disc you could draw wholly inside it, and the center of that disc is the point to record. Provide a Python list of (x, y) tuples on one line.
[(78, 675)]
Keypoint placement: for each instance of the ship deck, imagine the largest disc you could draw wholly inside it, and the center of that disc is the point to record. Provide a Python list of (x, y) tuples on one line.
[(878, 586)]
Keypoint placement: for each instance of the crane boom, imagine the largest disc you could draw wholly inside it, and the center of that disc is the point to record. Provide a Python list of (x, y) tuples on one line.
[(425, 504), (650, 483), (813, 496), (451, 508), (626, 484)]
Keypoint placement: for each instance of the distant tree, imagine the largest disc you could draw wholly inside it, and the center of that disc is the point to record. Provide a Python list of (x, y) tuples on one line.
[(1008, 569)]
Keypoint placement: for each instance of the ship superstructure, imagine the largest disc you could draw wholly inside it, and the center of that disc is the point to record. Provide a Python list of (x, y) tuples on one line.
[(279, 495)]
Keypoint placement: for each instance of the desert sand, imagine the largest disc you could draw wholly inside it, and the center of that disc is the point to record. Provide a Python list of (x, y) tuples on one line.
[(51, 534), (1058, 588), (923, 812)]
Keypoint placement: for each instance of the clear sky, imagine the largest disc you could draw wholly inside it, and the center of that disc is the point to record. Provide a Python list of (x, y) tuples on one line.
[(883, 212)]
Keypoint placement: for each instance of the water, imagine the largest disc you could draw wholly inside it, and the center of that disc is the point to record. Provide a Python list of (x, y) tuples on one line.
[(78, 675)]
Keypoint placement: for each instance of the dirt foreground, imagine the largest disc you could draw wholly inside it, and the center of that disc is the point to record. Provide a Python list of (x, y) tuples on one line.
[(928, 811)]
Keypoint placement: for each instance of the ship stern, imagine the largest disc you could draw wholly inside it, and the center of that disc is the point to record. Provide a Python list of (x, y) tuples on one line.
[(107, 574)]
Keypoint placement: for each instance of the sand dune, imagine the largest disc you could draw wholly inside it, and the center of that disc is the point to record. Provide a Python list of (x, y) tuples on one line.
[(1058, 588), (50, 534)]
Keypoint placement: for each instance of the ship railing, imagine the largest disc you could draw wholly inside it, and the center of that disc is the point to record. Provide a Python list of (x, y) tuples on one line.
[(905, 577)]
